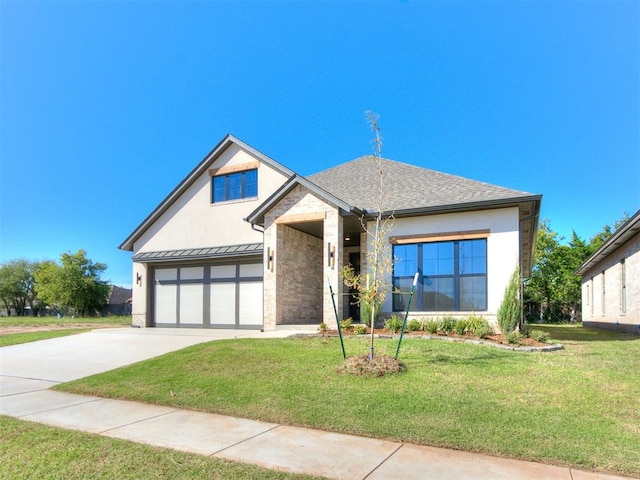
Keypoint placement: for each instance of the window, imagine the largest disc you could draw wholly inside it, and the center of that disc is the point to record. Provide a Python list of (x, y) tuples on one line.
[(603, 294), (453, 275), (235, 186), (623, 287)]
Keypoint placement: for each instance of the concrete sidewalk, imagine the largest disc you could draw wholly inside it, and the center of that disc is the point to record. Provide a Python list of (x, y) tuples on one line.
[(273, 446)]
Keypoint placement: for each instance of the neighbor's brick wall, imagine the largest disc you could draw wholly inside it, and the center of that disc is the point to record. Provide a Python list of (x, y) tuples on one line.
[(610, 315), (300, 260)]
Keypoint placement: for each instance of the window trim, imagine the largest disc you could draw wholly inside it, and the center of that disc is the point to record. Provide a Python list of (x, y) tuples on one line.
[(227, 173), (455, 276)]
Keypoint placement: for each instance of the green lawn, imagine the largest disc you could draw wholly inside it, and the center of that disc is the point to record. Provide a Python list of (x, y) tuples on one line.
[(16, 338), (575, 407), (31, 450), (66, 320), (52, 327)]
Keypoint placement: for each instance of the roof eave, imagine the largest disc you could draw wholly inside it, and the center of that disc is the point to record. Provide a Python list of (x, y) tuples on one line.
[(619, 237), (461, 207)]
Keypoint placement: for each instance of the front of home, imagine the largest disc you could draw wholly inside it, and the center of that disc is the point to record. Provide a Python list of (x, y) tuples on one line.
[(244, 242), (611, 281)]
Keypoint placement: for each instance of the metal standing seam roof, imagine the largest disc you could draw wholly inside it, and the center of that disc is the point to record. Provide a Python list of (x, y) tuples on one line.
[(200, 253)]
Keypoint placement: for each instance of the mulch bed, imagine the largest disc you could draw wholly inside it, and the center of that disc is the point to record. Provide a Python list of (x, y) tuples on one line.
[(498, 340)]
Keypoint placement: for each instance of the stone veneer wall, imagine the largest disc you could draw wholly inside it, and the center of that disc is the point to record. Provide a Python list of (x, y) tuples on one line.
[(299, 276), (300, 256), (611, 316)]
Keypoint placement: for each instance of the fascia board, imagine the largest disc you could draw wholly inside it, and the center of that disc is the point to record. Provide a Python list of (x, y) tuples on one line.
[(620, 236)]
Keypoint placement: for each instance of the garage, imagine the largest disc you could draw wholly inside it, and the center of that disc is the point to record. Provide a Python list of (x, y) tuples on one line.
[(213, 295)]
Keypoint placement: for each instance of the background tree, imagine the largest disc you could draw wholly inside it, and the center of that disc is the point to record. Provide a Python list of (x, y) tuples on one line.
[(539, 287), (17, 280), (74, 284), (552, 291)]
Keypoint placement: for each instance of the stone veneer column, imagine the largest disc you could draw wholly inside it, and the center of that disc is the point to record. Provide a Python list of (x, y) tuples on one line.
[(270, 279), (140, 294), (333, 234)]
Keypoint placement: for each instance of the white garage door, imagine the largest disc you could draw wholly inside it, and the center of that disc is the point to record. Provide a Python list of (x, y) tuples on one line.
[(223, 296)]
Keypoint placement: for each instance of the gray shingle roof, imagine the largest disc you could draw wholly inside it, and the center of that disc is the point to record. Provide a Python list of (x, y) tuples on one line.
[(407, 187)]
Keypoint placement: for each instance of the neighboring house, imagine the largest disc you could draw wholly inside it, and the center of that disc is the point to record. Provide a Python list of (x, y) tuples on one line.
[(244, 242), (118, 302), (611, 281)]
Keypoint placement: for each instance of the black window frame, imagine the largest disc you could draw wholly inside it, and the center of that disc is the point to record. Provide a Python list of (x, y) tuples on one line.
[(228, 186), (400, 282)]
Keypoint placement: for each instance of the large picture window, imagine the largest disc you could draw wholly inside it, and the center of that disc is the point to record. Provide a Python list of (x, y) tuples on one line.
[(453, 275), (235, 186)]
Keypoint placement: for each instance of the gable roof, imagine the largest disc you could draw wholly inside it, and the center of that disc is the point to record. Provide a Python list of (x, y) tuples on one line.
[(409, 188), (192, 176), (257, 216), (629, 229)]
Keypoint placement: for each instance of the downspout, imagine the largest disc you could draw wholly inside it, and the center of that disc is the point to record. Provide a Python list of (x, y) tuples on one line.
[(522, 220)]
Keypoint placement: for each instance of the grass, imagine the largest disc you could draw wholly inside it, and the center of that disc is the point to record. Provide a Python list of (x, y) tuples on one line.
[(31, 450), (16, 338), (52, 327), (66, 320), (574, 407)]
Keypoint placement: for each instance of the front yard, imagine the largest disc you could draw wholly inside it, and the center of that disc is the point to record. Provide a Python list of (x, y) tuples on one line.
[(576, 406)]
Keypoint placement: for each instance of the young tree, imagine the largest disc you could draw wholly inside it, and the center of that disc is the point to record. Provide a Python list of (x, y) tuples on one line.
[(372, 287), (73, 284)]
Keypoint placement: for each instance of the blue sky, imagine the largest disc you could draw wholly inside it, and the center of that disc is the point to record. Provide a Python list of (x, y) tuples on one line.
[(106, 105)]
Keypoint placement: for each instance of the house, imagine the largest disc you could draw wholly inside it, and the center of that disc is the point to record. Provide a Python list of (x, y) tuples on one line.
[(118, 301), (244, 242), (611, 281)]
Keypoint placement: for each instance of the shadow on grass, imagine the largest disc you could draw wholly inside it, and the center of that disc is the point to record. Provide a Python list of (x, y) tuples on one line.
[(578, 333)]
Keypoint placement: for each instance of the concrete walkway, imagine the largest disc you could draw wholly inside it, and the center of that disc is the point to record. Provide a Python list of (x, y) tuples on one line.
[(27, 371)]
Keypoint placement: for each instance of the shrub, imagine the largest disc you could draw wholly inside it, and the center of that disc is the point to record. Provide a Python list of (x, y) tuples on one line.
[(414, 325), (365, 313), (393, 324), (483, 331), (478, 326), (514, 337), (539, 336), (346, 323), (322, 328), (447, 324), (511, 308), (359, 329), (431, 326), (461, 326)]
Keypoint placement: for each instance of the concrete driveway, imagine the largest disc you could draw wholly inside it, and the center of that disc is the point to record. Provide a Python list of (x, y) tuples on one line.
[(40, 365)]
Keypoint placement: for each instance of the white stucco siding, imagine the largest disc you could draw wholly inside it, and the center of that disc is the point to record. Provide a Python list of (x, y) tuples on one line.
[(194, 221), (502, 243)]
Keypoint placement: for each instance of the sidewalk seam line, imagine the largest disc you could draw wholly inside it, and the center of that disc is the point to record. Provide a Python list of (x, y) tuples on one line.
[(138, 421), (383, 461), (58, 408), (243, 441)]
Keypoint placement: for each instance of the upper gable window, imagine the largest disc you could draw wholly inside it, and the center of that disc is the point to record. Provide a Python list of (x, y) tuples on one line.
[(235, 186)]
